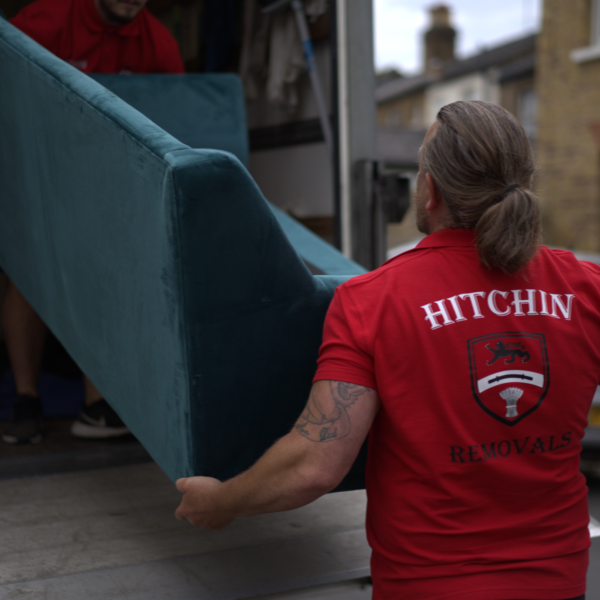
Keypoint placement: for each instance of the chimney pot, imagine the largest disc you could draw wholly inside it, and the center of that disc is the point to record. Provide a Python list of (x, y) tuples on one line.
[(439, 40), (440, 16)]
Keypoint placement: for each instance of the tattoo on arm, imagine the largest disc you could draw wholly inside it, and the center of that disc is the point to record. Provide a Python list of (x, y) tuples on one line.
[(325, 418)]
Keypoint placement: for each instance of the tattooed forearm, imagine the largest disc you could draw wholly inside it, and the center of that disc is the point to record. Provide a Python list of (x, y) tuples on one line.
[(325, 417)]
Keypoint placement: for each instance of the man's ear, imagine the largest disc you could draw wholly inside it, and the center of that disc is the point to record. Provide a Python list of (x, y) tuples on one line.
[(435, 198)]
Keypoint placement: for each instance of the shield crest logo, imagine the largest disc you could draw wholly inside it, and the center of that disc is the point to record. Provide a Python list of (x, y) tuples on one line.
[(509, 374)]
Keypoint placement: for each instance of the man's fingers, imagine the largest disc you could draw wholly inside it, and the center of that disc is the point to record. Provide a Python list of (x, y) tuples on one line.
[(200, 504), (179, 514)]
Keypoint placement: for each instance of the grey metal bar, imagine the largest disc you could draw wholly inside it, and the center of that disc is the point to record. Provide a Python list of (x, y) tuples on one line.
[(309, 54)]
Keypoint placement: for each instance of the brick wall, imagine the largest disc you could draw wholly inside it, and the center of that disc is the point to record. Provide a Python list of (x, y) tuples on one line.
[(510, 92), (569, 107), (402, 112)]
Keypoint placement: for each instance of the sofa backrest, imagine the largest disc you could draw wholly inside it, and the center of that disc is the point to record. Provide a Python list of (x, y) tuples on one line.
[(200, 110), (161, 268)]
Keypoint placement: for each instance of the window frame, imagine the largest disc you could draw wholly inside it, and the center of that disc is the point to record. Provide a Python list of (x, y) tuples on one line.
[(592, 51), (595, 23)]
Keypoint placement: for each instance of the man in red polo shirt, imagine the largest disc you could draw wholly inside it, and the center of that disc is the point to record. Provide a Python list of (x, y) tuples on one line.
[(102, 36), (472, 360), (95, 36)]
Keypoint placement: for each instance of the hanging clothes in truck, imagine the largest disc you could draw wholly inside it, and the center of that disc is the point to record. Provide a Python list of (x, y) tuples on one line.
[(272, 53)]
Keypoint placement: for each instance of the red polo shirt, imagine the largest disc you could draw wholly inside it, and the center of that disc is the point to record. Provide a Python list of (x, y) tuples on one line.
[(485, 382), (74, 31)]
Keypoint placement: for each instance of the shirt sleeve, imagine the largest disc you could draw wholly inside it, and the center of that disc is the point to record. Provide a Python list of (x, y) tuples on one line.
[(342, 357), (39, 22), (173, 61), (170, 57), (167, 58)]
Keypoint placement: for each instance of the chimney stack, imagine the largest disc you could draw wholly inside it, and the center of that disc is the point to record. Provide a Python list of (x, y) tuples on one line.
[(439, 40)]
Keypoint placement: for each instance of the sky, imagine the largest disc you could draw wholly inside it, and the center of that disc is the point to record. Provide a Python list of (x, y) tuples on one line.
[(400, 24)]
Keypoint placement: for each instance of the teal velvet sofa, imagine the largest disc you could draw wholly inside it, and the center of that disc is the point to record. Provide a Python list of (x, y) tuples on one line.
[(161, 268), (201, 111)]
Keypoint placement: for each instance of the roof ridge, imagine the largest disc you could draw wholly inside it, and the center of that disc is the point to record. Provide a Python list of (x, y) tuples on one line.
[(457, 68)]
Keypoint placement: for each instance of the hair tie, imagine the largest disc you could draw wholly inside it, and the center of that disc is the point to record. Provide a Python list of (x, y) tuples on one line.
[(503, 194)]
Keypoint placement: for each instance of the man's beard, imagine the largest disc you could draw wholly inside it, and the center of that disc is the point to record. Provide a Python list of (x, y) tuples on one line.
[(421, 217), (115, 18)]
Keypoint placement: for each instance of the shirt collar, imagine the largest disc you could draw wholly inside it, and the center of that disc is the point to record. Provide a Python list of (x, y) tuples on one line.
[(448, 237), (94, 22)]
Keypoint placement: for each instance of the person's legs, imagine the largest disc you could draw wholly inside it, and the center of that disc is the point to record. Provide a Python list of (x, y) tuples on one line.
[(25, 333), (97, 419), (92, 394)]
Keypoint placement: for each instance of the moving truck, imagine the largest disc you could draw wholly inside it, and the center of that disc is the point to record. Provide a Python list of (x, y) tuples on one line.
[(94, 519)]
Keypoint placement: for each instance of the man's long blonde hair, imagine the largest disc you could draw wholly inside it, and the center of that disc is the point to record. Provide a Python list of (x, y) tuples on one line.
[(482, 164)]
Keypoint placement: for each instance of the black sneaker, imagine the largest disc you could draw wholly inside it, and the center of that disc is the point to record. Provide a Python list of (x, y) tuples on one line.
[(98, 421), (26, 424)]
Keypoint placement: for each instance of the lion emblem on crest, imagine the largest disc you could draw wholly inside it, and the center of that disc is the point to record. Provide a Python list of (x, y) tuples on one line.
[(509, 352)]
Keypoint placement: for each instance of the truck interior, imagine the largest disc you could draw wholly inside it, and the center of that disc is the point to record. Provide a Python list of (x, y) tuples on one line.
[(185, 281)]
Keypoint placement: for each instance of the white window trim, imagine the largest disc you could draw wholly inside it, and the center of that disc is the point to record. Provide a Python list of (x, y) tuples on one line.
[(581, 55), (591, 52), (595, 23)]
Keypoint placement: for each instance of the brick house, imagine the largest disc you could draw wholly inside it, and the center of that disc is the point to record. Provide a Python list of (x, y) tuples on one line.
[(568, 144), (407, 106), (503, 74)]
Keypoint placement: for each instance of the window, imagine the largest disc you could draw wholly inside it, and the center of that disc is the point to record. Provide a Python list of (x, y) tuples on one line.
[(439, 100), (469, 94), (591, 52), (392, 119), (527, 111), (416, 116), (595, 20)]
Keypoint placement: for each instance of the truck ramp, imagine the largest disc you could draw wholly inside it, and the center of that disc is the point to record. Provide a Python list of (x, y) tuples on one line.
[(111, 534)]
